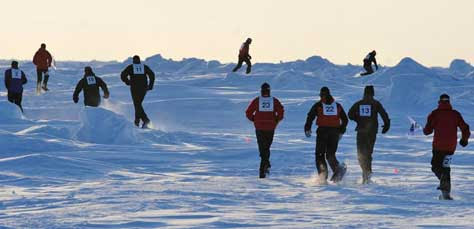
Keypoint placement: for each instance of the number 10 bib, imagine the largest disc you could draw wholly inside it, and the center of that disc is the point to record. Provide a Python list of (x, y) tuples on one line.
[(265, 104)]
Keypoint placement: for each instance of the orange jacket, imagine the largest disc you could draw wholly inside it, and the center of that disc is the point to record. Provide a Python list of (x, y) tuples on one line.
[(42, 59)]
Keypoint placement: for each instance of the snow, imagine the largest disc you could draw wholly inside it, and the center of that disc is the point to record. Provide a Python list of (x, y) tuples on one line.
[(66, 166)]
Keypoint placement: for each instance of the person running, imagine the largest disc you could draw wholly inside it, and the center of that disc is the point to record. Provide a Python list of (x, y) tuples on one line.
[(90, 83), (265, 112), (244, 56), (15, 78), (331, 121), (135, 75), (444, 122), (43, 61), (365, 113), (368, 60)]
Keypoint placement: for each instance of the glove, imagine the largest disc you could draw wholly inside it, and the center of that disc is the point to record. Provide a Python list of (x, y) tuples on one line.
[(463, 142), (75, 99), (385, 128), (150, 87), (127, 82), (307, 133), (376, 67), (342, 130), (250, 57), (106, 95)]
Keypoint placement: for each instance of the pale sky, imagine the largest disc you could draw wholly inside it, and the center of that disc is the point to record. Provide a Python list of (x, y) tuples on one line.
[(432, 31)]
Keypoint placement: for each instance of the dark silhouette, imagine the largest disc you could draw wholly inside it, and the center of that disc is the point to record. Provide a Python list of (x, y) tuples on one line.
[(244, 56), (15, 78), (90, 83), (368, 60), (136, 76)]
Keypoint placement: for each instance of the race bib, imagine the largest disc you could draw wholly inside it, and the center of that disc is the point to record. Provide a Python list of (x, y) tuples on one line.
[(138, 69), (91, 80), (16, 73), (265, 104), (365, 110), (447, 161), (330, 110)]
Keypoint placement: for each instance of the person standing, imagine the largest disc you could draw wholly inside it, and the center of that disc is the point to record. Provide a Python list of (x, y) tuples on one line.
[(136, 76), (15, 78), (444, 122), (43, 61), (365, 113), (368, 60), (244, 56), (331, 121), (265, 112), (90, 83)]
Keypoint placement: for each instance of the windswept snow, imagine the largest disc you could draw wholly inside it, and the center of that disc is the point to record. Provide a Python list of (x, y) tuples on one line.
[(66, 166)]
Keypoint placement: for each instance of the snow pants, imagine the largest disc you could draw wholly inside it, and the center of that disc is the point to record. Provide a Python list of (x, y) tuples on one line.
[(440, 165), (264, 140), (327, 140), (16, 99), (241, 61), (365, 149), (138, 95)]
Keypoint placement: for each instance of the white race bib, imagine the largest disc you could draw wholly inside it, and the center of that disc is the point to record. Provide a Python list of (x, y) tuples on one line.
[(365, 110), (330, 110), (265, 104), (447, 161), (16, 73), (138, 69), (91, 80)]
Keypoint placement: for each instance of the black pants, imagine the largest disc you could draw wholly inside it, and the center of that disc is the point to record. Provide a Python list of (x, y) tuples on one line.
[(138, 95), (39, 73), (440, 165), (368, 69), (365, 149), (264, 140), (327, 140), (239, 64), (16, 99)]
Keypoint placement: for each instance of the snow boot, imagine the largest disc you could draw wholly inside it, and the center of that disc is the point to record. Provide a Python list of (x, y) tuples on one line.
[(339, 174), (445, 195)]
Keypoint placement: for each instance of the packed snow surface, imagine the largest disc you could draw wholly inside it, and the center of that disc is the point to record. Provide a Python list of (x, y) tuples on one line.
[(66, 166)]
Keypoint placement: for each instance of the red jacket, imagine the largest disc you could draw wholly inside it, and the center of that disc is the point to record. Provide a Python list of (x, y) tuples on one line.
[(42, 59), (265, 120), (329, 114), (445, 121), (244, 50)]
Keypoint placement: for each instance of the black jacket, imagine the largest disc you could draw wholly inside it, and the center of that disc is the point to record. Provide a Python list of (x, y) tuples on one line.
[(90, 85), (14, 85), (365, 114), (138, 81)]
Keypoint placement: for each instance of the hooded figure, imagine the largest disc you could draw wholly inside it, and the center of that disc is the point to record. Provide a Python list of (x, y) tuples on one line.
[(444, 122), (365, 113), (90, 83), (265, 112), (244, 56), (15, 78), (368, 60), (43, 61), (331, 121), (136, 76)]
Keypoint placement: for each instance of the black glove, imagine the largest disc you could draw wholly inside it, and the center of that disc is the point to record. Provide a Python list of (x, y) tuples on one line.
[(307, 133), (342, 130), (250, 57), (127, 82), (75, 99), (463, 142), (385, 128), (150, 87)]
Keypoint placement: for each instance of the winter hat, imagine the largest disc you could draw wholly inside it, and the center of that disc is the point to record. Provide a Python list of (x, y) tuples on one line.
[(369, 90), (88, 71), (444, 98), (14, 64), (265, 89), (136, 59), (325, 91)]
